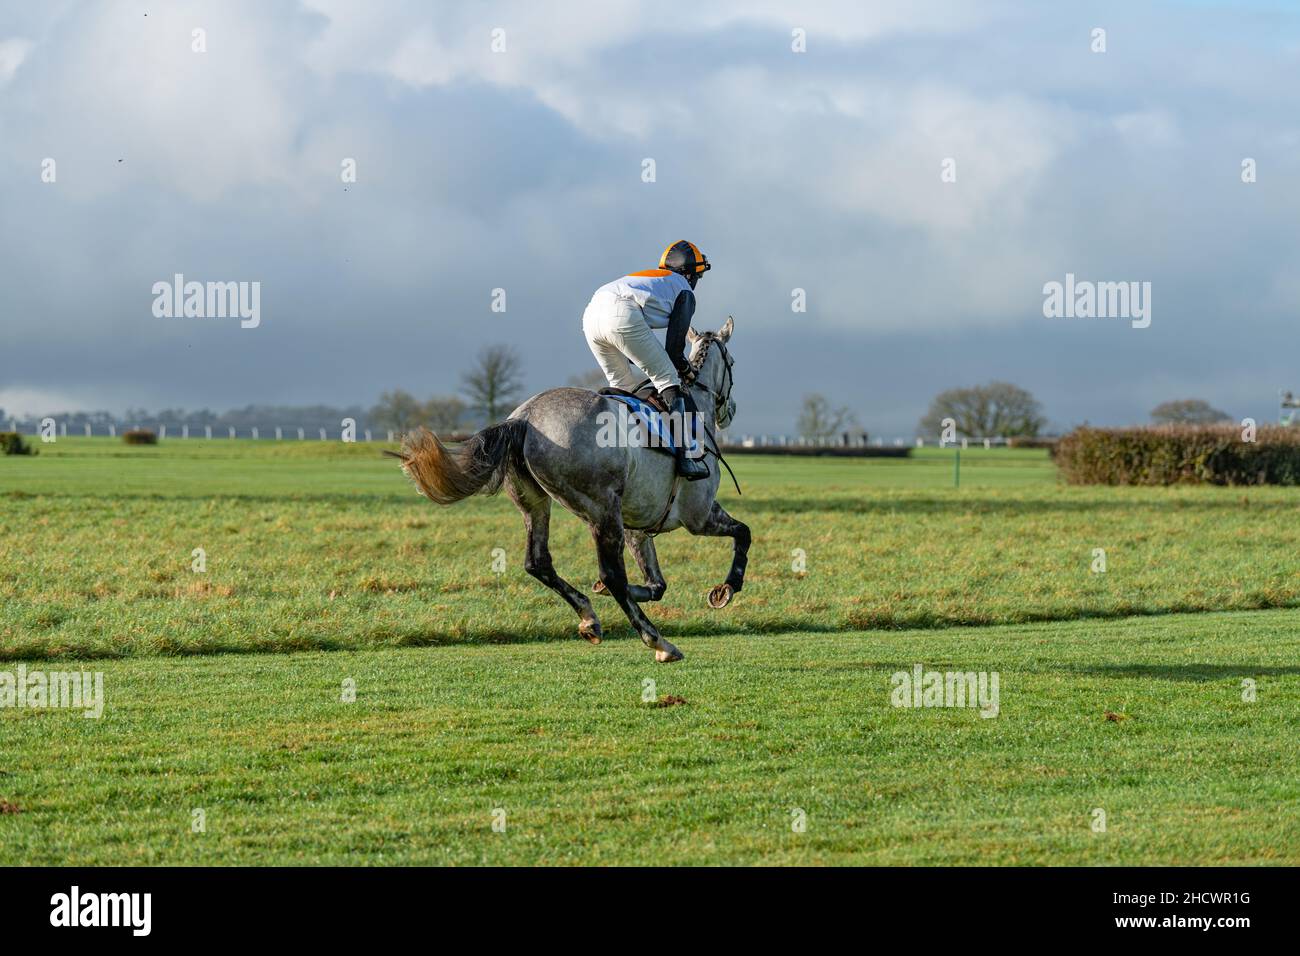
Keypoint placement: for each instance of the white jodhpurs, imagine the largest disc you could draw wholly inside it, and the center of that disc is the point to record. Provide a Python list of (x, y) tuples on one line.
[(617, 331)]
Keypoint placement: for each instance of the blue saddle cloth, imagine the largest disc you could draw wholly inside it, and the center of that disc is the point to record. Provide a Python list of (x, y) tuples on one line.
[(657, 423)]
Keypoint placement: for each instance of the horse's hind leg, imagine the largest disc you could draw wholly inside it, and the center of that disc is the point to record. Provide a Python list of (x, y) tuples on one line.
[(608, 535), (535, 505), (719, 524), (647, 559), (642, 547)]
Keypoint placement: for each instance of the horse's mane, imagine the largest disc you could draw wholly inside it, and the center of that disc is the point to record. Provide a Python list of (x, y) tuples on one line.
[(699, 353)]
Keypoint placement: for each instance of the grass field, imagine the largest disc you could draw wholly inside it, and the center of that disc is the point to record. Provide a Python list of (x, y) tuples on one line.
[(473, 693)]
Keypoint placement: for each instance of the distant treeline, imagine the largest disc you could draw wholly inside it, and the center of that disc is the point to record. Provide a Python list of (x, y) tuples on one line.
[(289, 416)]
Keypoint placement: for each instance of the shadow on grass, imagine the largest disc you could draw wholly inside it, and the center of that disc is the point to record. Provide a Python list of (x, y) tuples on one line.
[(965, 504), (1197, 673), (872, 502), (617, 629), (1191, 673)]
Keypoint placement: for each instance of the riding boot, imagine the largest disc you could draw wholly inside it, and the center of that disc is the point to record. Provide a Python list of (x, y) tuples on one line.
[(683, 410)]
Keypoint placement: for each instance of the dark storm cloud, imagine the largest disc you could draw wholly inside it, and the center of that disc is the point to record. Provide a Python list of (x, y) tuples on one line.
[(521, 170)]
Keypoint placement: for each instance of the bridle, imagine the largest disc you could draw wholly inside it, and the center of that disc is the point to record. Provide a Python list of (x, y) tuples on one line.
[(721, 398)]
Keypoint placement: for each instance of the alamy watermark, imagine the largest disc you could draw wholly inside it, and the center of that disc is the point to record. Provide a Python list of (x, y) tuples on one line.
[(209, 300), (921, 688), (623, 429), (38, 690), (75, 908), (1084, 299)]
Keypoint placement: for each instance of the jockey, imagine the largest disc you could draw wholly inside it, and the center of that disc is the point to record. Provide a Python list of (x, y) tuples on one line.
[(617, 324)]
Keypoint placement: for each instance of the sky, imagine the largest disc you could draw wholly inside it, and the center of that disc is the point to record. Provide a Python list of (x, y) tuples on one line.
[(504, 146)]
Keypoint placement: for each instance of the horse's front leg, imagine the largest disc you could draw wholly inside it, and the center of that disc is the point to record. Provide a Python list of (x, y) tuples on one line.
[(719, 524)]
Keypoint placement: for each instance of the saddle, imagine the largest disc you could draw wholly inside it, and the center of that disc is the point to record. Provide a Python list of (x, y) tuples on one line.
[(646, 392), (643, 399), (647, 405)]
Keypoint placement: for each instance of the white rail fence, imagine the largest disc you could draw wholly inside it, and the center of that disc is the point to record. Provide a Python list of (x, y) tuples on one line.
[(862, 441), (38, 428)]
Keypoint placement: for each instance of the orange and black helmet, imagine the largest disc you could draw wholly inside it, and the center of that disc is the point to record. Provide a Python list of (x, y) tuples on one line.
[(684, 258)]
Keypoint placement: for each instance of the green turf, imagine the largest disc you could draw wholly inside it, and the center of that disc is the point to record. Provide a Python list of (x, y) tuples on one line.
[(473, 694), (556, 735), (324, 545)]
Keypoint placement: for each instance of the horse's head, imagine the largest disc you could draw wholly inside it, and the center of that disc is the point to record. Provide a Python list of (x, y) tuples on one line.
[(710, 369)]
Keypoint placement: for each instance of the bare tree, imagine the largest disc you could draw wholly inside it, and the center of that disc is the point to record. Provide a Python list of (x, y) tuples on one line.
[(1187, 411), (817, 419), (494, 383), (444, 414), (985, 411), (397, 410)]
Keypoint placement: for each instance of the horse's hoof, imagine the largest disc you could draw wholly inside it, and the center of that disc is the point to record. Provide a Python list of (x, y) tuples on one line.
[(720, 596), (671, 655), (599, 587), (590, 631)]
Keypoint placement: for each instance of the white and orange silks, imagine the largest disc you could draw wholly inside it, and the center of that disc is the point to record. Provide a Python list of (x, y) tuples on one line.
[(618, 323)]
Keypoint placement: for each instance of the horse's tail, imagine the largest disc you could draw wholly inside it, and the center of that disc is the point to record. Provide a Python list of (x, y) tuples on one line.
[(477, 467)]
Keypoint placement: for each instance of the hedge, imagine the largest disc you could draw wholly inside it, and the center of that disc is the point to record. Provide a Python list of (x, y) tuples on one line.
[(11, 443), (1180, 454)]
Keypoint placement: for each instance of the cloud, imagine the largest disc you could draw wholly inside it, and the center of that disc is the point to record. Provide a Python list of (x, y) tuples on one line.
[(577, 57), (12, 53), (522, 170), (33, 402), (195, 123)]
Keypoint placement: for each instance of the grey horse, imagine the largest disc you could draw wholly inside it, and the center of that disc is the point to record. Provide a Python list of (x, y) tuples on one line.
[(556, 446)]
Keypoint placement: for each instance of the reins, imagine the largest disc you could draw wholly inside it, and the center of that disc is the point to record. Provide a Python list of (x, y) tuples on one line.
[(718, 454), (720, 400)]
